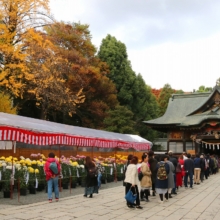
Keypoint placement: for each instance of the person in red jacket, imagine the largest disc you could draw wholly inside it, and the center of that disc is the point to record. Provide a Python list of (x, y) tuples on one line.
[(51, 177)]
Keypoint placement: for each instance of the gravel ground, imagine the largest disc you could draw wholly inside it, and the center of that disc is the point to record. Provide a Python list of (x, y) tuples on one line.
[(42, 196)]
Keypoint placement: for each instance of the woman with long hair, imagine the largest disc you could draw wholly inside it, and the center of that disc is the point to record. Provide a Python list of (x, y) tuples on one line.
[(146, 179), (91, 181), (153, 168), (131, 180), (179, 172)]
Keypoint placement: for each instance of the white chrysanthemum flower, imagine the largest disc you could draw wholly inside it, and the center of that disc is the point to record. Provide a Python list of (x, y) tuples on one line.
[(9, 167), (82, 166), (22, 158), (18, 165), (4, 164)]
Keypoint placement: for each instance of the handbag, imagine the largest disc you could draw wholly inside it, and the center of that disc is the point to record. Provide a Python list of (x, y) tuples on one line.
[(130, 197), (140, 176)]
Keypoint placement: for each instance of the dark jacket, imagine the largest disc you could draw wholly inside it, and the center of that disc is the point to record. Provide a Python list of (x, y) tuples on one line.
[(197, 162), (90, 181), (189, 165), (162, 184), (174, 161), (203, 168), (153, 168)]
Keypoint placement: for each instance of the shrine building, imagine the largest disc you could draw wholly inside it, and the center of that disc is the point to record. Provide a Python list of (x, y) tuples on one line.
[(191, 122)]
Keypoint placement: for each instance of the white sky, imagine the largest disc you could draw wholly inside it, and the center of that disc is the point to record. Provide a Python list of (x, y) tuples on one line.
[(168, 41)]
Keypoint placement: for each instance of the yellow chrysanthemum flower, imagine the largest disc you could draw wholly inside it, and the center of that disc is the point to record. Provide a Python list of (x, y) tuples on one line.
[(75, 163), (36, 171), (8, 159), (34, 162)]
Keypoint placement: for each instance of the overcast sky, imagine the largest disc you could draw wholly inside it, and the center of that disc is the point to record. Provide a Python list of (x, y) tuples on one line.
[(168, 41)]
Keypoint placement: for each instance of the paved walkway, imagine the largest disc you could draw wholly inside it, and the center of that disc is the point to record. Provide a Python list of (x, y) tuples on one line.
[(202, 202)]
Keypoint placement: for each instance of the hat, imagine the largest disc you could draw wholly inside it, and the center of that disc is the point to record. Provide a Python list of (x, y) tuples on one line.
[(170, 152)]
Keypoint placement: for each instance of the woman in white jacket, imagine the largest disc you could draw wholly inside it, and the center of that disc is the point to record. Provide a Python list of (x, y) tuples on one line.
[(131, 180)]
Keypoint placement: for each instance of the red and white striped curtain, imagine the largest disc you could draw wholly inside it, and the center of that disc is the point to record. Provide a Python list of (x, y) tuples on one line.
[(41, 138)]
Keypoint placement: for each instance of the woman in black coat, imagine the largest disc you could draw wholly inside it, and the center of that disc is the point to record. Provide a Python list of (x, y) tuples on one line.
[(153, 166), (91, 181)]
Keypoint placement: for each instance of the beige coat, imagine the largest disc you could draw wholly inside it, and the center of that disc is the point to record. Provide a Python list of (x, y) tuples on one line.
[(146, 180)]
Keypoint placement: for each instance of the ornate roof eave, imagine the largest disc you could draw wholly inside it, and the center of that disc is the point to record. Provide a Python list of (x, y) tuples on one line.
[(206, 120), (200, 125), (162, 127)]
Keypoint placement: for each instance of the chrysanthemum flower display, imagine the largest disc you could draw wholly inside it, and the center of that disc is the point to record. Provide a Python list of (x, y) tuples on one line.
[(27, 170)]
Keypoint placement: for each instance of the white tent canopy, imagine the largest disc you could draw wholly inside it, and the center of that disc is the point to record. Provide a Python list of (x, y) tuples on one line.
[(40, 132)]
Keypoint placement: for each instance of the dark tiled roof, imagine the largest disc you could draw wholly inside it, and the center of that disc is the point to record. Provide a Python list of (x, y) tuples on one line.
[(179, 108)]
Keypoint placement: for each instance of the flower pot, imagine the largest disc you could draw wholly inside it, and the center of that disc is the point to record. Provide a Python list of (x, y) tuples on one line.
[(83, 184), (40, 187), (103, 180), (23, 192), (119, 178), (6, 194), (65, 185), (73, 185), (32, 190), (110, 179)]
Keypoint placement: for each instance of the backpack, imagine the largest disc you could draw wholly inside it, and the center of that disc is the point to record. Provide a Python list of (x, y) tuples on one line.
[(161, 172), (93, 172), (53, 167), (140, 176)]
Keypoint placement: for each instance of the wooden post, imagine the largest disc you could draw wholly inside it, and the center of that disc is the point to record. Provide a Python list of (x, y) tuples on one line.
[(115, 166), (184, 142), (70, 183), (11, 185), (60, 188), (18, 190)]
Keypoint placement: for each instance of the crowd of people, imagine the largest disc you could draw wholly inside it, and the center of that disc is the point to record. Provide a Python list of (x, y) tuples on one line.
[(164, 174), (160, 174)]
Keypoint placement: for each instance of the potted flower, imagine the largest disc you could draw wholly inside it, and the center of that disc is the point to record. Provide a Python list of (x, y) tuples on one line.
[(65, 175), (22, 180), (32, 180), (40, 175), (82, 175), (6, 178), (73, 170), (120, 171), (109, 171)]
